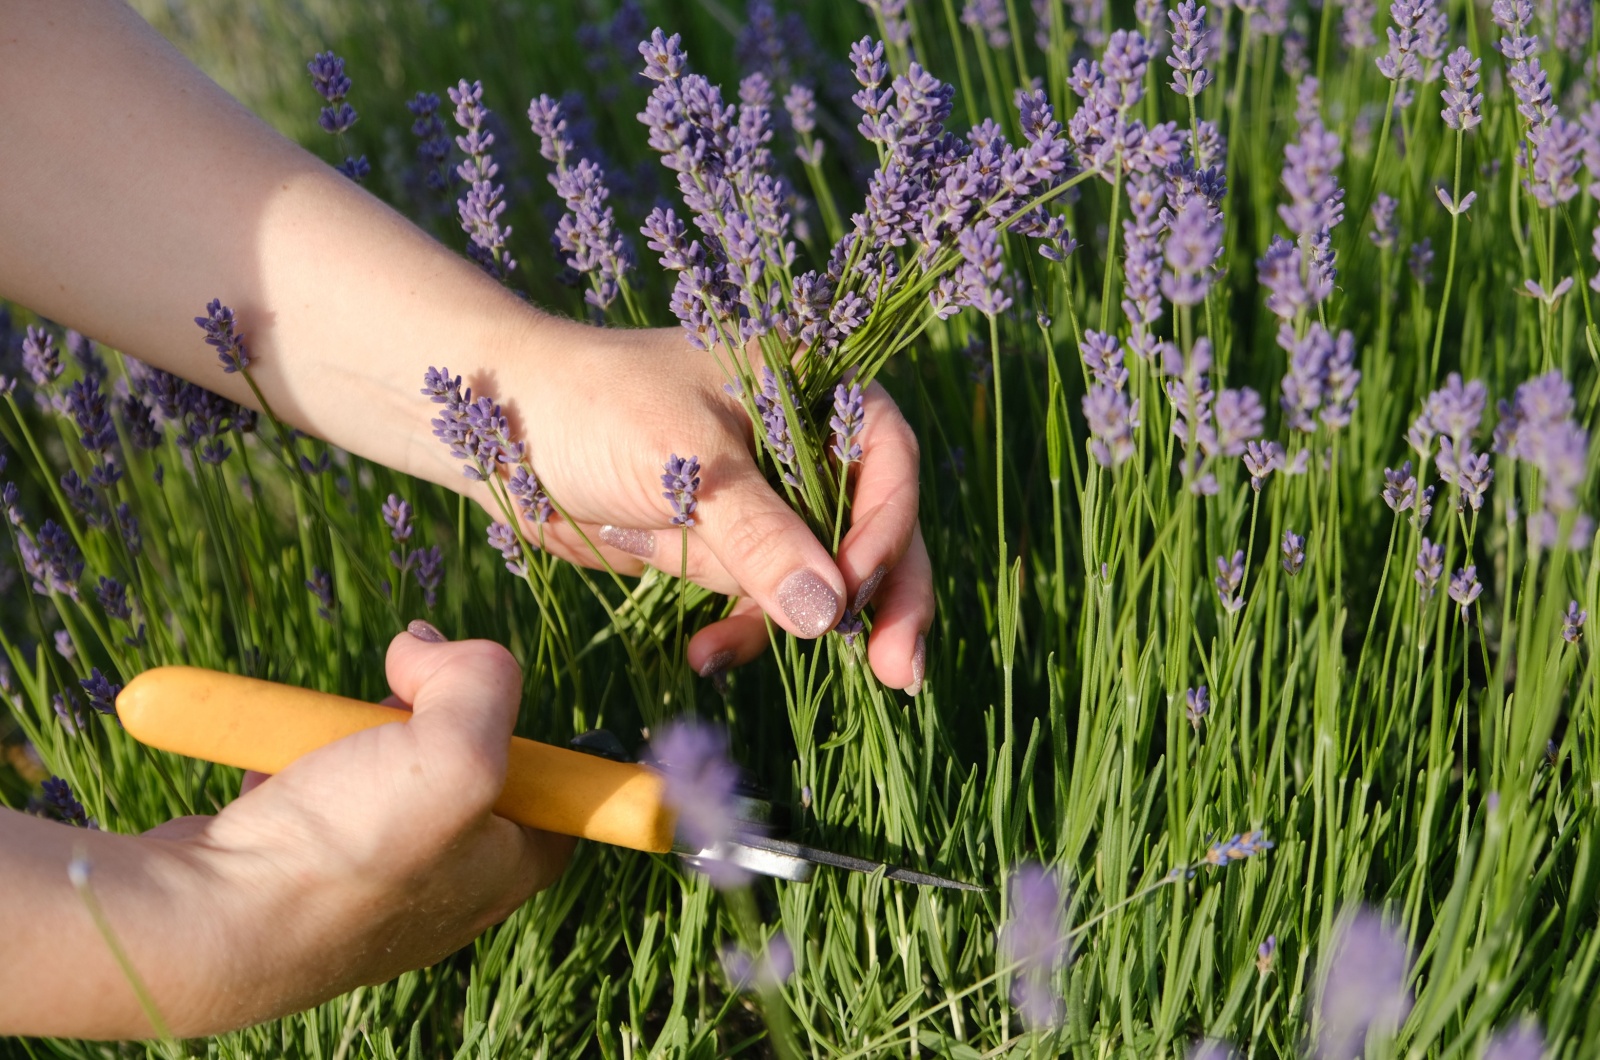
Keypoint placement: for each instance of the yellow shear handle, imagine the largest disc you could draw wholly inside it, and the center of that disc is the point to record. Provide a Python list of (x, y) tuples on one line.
[(260, 725)]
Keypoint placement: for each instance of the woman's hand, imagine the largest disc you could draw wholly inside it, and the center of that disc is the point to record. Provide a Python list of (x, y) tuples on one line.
[(369, 857), (602, 420)]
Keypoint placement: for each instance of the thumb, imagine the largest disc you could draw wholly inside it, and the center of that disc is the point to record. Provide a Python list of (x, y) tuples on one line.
[(464, 698), (767, 548)]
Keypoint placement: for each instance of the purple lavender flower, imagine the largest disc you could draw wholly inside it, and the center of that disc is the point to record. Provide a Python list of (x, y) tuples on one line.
[(504, 538), (891, 15), (113, 598), (1420, 261), (846, 422), (768, 971), (1572, 623), (52, 561), (320, 585), (223, 336), (1361, 985), (531, 499), (1034, 940), (428, 565), (481, 206), (801, 104), (1230, 582), (1294, 552), (1357, 24), (1265, 953), (1430, 566), (1240, 847), (664, 59), (586, 233), (1193, 247), (1281, 271), (989, 18), (1403, 61), (700, 786), (1385, 233), (64, 645), (40, 358), (1574, 27), (978, 277), (1260, 460), (101, 691), (1400, 488), (69, 712), (1538, 427), (476, 431), (1315, 198), (59, 803), (1197, 705), (682, 482), (1112, 419), (87, 405), (397, 515), (1141, 301), (1189, 49), (1463, 108), (1102, 355), (1465, 588), (329, 79), (433, 142), (1321, 379)]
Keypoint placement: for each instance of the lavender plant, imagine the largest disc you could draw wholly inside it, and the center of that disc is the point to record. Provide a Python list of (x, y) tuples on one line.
[(1252, 352)]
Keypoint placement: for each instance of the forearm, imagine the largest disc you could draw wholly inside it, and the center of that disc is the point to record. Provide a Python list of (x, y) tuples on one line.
[(60, 977), (136, 190)]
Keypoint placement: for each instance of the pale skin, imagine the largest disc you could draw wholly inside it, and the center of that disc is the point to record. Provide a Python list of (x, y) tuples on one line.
[(132, 191)]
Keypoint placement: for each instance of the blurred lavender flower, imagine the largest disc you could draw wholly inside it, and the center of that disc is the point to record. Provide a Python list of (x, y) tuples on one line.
[(1400, 488), (1260, 460), (1572, 623), (847, 422), (481, 206), (69, 712), (429, 569), (40, 358), (1281, 271), (989, 18), (801, 104), (332, 84), (682, 482), (1430, 566), (1102, 355), (433, 142), (1321, 379), (1574, 27), (1521, 1042), (503, 537), (52, 561), (1464, 588), (87, 405), (1193, 248), (1357, 31), (1361, 986), (1266, 953), (891, 15), (775, 422), (1316, 202), (768, 971), (1197, 705), (1538, 426), (320, 585), (1420, 261), (1112, 421), (101, 691), (1239, 847), (113, 598), (1145, 256), (223, 336), (1385, 233), (64, 646), (978, 277), (397, 515), (1230, 581), (1463, 108), (1189, 49), (59, 803), (700, 786), (1034, 940), (1294, 552)]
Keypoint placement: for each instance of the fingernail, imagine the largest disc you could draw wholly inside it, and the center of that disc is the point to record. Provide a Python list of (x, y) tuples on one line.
[(867, 588), (425, 632), (809, 602), (716, 663), (630, 540), (919, 664)]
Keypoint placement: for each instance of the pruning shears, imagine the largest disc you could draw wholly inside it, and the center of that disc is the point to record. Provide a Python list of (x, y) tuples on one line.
[(592, 793)]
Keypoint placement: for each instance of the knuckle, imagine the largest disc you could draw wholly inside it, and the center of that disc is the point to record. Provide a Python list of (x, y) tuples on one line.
[(754, 537)]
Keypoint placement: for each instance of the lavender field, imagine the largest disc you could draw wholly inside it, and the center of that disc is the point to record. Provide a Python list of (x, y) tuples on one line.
[(1252, 352)]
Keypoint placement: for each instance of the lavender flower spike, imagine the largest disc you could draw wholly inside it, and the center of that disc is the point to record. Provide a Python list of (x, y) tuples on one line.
[(1238, 848), (1190, 46), (332, 84), (63, 805), (503, 537), (1430, 566), (1463, 108), (1464, 588), (682, 482), (1034, 939), (1361, 986), (1572, 623), (1229, 581), (700, 783), (1294, 552), (847, 422), (1197, 705), (222, 335)]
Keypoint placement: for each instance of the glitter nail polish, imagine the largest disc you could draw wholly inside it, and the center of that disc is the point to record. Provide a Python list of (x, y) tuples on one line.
[(919, 663), (809, 602), (867, 588), (630, 540), (716, 663), (425, 632)]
